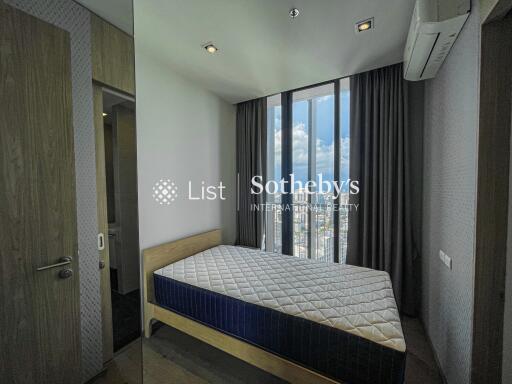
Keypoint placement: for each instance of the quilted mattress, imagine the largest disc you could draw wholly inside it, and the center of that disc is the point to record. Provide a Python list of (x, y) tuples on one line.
[(339, 320)]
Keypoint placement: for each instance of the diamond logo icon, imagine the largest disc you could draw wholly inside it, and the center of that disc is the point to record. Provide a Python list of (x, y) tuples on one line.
[(165, 191)]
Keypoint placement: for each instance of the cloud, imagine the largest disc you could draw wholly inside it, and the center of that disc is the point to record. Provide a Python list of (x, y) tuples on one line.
[(324, 153), (345, 152)]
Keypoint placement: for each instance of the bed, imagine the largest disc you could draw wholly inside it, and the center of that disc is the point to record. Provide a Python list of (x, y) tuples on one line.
[(301, 320)]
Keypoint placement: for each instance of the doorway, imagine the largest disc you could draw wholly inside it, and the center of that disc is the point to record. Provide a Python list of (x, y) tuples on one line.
[(122, 212), (490, 328), (118, 218)]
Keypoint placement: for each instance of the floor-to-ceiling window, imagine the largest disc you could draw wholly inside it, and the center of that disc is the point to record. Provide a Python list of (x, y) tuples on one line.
[(318, 147)]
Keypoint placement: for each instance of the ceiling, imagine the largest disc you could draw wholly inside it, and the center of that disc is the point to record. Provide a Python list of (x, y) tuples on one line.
[(262, 51)]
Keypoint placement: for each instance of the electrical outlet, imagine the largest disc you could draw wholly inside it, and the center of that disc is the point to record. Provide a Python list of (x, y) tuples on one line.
[(445, 259)]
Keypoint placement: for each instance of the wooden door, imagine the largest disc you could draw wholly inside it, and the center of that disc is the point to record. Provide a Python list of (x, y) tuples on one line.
[(39, 310), (101, 191)]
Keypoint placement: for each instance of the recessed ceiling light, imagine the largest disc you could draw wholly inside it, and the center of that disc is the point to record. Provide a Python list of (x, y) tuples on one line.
[(210, 48), (364, 25), (105, 114), (294, 12)]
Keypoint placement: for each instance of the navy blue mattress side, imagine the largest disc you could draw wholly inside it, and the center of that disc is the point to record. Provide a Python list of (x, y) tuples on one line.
[(329, 351)]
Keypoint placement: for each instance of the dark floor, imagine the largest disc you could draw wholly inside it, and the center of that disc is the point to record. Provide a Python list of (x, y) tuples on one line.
[(171, 357), (126, 321), (124, 368), (198, 362), (421, 367)]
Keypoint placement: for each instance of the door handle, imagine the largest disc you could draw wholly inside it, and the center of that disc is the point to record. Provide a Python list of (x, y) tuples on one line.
[(62, 261)]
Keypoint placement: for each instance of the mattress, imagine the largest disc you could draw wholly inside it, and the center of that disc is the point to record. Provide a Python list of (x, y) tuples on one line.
[(339, 320)]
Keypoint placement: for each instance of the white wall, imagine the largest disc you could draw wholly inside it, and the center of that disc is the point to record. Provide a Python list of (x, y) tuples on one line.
[(183, 133), (449, 193)]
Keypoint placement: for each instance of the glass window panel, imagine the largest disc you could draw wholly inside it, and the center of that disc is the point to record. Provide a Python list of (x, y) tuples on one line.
[(273, 216), (323, 214), (300, 163), (313, 160)]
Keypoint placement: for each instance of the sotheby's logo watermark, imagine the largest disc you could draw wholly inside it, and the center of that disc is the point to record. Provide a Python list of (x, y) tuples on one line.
[(309, 194), (165, 191)]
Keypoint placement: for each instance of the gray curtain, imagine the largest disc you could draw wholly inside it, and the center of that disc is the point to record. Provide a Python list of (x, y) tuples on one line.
[(251, 139), (379, 231)]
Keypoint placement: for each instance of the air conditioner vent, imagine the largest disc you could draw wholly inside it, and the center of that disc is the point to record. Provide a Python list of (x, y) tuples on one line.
[(434, 28)]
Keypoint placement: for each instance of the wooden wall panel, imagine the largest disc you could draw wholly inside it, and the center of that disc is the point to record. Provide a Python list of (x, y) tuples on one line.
[(113, 56)]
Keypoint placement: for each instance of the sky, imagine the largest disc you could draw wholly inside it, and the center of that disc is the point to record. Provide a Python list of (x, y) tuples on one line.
[(324, 139)]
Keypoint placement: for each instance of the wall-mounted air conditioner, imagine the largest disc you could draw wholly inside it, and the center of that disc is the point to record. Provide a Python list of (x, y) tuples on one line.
[(434, 27)]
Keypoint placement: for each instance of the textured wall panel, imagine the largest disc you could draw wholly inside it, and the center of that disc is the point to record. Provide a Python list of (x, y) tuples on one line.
[(450, 160), (76, 20)]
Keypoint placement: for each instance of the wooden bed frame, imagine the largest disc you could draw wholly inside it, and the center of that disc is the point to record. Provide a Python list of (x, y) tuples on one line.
[(162, 255)]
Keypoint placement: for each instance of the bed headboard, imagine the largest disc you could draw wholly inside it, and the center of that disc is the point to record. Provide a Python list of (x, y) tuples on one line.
[(157, 257)]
